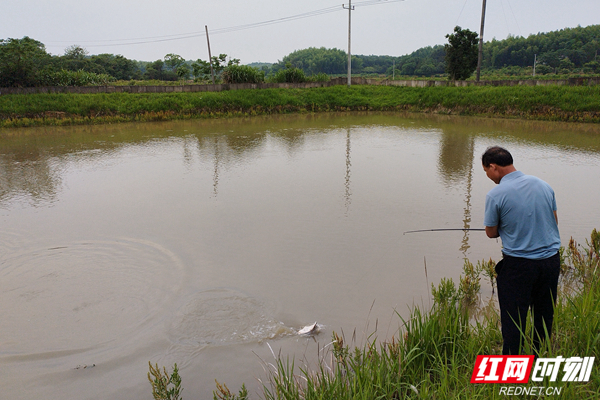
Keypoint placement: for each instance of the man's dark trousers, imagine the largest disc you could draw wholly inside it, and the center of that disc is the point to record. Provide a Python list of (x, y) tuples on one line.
[(524, 283)]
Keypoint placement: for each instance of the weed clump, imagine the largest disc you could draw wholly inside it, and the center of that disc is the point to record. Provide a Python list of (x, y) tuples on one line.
[(164, 386)]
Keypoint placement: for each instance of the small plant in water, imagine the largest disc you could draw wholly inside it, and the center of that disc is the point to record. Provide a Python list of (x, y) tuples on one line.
[(488, 268), (584, 262), (445, 293), (223, 393), (469, 283), (164, 386)]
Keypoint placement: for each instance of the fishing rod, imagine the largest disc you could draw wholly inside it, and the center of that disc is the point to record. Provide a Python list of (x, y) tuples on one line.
[(445, 229)]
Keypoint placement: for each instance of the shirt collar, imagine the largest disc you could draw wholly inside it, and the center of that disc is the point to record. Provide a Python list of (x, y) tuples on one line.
[(511, 176)]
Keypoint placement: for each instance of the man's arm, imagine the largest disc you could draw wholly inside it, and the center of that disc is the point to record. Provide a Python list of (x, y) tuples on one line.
[(556, 217), (492, 231)]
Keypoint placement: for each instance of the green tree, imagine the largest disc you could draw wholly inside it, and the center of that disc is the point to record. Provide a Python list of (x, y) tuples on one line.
[(183, 71), (426, 69), (173, 61), (551, 58), (426, 61), (316, 60), (157, 71), (461, 53), (21, 61), (408, 68), (76, 58), (566, 65), (117, 66), (76, 52), (201, 68), (578, 44)]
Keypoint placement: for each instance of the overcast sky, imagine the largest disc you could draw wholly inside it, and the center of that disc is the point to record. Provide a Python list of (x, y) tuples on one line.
[(143, 29)]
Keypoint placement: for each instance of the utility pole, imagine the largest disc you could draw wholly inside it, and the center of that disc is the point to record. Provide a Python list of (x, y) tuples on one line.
[(350, 8), (534, 62), (480, 56), (212, 72)]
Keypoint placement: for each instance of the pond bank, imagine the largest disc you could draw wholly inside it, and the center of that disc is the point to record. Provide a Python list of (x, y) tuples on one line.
[(554, 103)]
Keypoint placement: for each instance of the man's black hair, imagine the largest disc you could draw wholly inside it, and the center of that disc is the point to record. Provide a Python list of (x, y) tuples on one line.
[(496, 155)]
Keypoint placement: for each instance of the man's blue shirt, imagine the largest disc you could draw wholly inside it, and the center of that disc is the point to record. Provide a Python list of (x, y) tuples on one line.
[(522, 206)]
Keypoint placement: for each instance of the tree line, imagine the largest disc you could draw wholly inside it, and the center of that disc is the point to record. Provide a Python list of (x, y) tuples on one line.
[(563, 51), (25, 62), (570, 50), (566, 49)]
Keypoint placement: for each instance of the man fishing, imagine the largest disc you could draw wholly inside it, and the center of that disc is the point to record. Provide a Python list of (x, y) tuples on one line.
[(521, 210)]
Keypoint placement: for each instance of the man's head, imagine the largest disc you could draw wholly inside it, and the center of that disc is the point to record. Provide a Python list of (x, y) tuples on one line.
[(497, 162), (496, 155)]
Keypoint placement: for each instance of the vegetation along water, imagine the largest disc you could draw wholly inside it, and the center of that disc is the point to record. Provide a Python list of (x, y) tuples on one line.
[(556, 103)]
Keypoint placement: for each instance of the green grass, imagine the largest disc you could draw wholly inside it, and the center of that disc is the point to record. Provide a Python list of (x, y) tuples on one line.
[(560, 103)]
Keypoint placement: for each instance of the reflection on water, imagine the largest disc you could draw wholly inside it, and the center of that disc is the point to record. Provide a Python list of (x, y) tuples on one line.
[(29, 177), (347, 193), (455, 165), (31, 159), (197, 242), (456, 156)]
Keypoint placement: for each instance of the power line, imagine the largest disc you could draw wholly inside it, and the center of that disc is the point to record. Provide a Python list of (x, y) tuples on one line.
[(461, 11), (190, 35), (153, 39), (513, 13)]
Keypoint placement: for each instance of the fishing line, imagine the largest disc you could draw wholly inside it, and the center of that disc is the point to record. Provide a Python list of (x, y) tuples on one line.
[(386, 252), (445, 229)]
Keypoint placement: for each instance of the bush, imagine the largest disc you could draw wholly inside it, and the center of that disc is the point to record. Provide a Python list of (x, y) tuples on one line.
[(320, 77), (290, 75), (242, 74), (543, 69), (592, 66), (73, 78)]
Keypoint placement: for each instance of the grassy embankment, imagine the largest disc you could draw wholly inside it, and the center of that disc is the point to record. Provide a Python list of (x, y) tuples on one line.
[(558, 103), (434, 354)]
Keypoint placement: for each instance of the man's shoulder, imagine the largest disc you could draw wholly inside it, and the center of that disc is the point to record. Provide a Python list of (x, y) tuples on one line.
[(535, 180), (519, 177)]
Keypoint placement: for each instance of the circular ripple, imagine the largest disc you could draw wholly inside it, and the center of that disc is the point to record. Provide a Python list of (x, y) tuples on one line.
[(83, 294), (223, 316)]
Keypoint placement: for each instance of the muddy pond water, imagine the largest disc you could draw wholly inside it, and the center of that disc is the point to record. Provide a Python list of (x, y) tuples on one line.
[(208, 243)]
